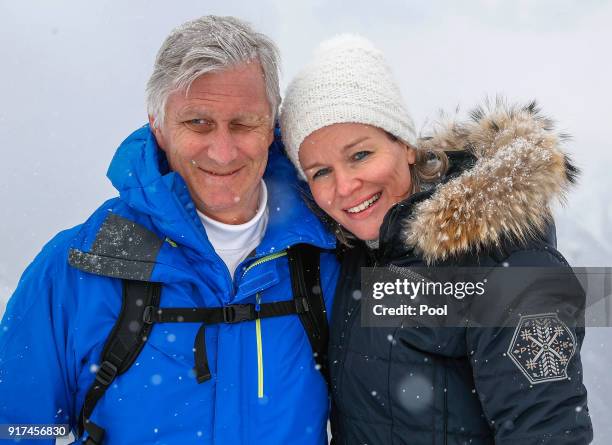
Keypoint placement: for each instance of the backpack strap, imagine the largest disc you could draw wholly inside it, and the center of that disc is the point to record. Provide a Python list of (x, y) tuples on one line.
[(307, 303), (122, 346), (140, 310), (235, 313), (304, 266)]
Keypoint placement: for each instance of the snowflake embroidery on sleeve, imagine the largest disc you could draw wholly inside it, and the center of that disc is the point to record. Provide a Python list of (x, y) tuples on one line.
[(542, 347)]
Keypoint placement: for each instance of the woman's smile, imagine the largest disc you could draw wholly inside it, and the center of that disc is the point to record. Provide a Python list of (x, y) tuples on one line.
[(364, 205)]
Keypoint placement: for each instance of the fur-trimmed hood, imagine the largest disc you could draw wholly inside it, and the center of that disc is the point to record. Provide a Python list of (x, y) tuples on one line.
[(519, 170)]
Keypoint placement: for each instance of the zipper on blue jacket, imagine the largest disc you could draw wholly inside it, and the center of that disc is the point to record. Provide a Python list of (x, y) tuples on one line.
[(258, 337), (260, 370)]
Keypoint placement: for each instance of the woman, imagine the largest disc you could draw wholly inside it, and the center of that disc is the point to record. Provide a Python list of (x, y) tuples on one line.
[(397, 202)]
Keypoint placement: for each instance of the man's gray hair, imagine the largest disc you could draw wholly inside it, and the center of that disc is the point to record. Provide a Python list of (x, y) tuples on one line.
[(204, 45)]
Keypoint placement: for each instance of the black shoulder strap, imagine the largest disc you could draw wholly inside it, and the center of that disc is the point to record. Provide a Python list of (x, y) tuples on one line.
[(140, 310), (304, 266), (122, 346)]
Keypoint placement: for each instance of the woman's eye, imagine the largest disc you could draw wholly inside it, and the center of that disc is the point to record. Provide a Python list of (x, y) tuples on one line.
[(320, 173), (361, 155)]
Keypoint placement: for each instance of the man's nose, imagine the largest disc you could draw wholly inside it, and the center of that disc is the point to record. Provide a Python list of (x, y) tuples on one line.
[(222, 148), (346, 183)]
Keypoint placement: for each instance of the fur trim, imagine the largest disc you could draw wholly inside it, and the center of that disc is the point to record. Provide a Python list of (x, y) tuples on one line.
[(520, 169)]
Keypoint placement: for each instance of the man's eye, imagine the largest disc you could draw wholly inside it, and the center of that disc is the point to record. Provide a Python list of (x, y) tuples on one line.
[(199, 125), (242, 126), (361, 155), (320, 173)]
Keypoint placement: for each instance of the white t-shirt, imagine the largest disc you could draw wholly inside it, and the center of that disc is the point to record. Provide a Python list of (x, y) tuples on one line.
[(234, 242)]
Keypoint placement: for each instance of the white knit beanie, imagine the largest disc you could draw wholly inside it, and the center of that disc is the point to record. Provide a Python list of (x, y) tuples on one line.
[(348, 81)]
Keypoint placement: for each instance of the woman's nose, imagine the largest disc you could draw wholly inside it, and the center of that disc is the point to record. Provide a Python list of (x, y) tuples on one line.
[(346, 183)]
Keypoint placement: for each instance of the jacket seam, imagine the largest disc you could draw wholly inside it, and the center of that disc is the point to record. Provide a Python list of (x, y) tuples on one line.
[(412, 427), (389, 398), (513, 439), (411, 362)]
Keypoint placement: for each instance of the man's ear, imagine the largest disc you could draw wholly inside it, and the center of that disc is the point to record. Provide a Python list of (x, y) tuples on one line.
[(271, 137), (159, 137)]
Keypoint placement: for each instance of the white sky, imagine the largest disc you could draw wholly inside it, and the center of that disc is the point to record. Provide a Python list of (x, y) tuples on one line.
[(73, 76), (73, 73)]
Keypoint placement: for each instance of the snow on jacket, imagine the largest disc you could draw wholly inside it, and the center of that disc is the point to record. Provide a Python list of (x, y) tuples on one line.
[(59, 317), (459, 385)]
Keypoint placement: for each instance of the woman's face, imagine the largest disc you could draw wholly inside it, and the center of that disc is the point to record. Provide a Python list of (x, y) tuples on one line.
[(356, 173)]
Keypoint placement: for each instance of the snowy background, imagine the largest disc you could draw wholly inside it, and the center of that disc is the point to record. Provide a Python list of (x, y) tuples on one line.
[(72, 88)]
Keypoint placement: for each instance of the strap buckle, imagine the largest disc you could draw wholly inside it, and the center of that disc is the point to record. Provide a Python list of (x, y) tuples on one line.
[(147, 315), (301, 305), (236, 313), (106, 373)]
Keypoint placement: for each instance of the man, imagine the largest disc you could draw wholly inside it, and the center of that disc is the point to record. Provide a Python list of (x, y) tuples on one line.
[(221, 351)]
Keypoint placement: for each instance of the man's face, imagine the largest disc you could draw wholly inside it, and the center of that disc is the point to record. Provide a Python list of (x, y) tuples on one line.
[(217, 137)]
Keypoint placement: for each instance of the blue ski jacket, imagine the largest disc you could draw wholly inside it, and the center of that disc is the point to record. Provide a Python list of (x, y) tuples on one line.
[(264, 389)]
